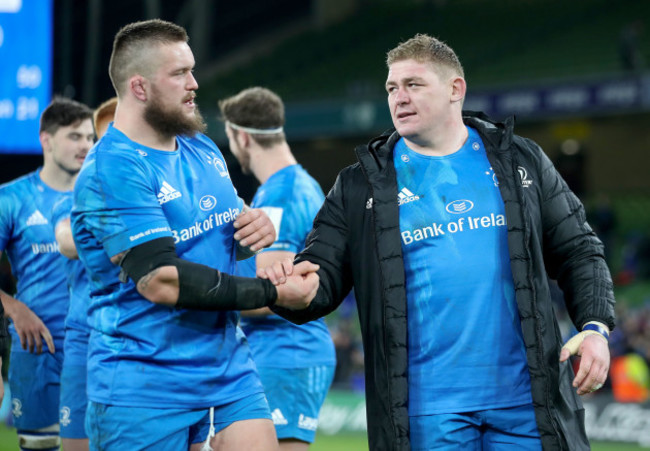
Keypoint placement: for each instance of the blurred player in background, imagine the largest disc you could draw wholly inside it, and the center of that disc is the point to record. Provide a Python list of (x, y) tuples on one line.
[(158, 226), (38, 310), (72, 409), (4, 341), (447, 227), (104, 115), (296, 363)]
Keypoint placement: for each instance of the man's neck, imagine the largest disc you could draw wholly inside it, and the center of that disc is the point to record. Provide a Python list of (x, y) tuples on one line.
[(266, 162), (57, 178), (446, 139), (133, 125)]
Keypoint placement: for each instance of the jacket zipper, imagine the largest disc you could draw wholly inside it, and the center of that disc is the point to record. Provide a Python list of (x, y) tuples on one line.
[(540, 353), (383, 303)]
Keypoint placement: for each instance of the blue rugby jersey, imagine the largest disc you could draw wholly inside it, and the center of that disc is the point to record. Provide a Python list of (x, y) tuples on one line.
[(291, 198), (77, 279), (27, 235), (466, 349), (128, 194)]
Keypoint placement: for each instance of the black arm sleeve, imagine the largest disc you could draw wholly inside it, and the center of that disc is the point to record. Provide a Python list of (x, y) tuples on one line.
[(4, 331), (200, 287)]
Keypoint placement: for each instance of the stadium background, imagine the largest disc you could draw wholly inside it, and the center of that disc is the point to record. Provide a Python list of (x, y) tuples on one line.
[(576, 75)]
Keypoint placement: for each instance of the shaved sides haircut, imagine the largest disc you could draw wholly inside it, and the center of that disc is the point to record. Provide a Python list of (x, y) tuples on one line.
[(132, 49), (426, 49)]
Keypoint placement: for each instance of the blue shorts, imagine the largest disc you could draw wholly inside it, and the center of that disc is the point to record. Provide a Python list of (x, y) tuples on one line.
[(295, 397), (114, 427), (34, 380), (74, 400), (496, 429)]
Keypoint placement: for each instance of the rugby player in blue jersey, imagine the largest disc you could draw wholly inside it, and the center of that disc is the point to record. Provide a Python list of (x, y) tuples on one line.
[(296, 363), (159, 226), (447, 228), (73, 401), (4, 339), (72, 408), (38, 309)]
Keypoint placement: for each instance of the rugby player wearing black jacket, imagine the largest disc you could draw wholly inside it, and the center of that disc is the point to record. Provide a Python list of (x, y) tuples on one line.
[(357, 241)]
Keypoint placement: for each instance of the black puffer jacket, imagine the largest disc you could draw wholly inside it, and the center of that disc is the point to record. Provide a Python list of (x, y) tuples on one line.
[(356, 242)]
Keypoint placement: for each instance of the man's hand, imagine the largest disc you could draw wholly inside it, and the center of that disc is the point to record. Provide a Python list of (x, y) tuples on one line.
[(297, 285), (299, 289), (29, 327), (254, 229), (277, 272), (594, 363)]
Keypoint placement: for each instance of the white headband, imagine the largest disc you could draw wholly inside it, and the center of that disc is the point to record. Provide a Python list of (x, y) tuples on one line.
[(256, 131)]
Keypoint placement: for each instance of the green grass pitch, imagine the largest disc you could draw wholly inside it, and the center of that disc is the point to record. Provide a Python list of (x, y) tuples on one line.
[(322, 443)]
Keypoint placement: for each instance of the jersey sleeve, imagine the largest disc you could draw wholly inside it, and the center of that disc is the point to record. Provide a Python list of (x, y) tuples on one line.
[(240, 202), (5, 219), (289, 220), (115, 200), (7, 207)]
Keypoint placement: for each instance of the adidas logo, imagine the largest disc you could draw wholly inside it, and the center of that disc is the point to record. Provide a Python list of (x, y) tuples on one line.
[(405, 196), (36, 218), (278, 418), (167, 193)]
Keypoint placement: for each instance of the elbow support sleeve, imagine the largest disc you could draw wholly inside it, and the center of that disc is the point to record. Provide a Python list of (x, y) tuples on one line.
[(200, 287)]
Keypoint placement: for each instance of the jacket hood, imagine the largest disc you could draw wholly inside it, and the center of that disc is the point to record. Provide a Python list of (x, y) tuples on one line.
[(498, 134), (376, 153)]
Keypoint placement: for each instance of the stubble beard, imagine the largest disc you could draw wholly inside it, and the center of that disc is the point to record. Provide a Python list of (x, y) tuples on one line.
[(70, 169), (72, 172), (245, 163), (242, 157)]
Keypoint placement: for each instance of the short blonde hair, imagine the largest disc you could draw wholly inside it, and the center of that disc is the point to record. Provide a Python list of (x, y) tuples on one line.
[(426, 49)]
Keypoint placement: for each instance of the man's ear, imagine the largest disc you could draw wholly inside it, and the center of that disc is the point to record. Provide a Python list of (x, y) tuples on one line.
[(243, 139), (139, 86), (44, 138), (458, 89)]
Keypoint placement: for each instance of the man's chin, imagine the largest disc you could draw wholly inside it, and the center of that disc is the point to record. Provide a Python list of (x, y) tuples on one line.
[(405, 131), (73, 170)]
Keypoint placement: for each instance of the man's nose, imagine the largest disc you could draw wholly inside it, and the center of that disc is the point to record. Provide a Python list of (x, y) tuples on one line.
[(402, 96), (192, 84), (87, 144)]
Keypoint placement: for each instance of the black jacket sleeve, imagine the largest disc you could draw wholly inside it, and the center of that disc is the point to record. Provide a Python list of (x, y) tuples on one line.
[(326, 246), (573, 253)]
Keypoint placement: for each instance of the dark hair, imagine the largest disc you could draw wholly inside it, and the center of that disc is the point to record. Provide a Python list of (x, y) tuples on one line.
[(62, 112), (258, 108), (132, 48)]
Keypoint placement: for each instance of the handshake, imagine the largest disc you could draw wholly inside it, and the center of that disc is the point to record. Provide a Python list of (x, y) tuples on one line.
[(296, 284)]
